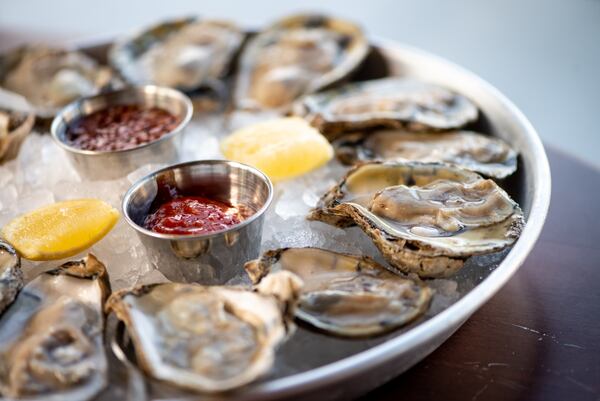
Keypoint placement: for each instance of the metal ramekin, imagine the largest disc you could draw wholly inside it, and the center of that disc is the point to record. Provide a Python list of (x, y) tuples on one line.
[(210, 258), (106, 165)]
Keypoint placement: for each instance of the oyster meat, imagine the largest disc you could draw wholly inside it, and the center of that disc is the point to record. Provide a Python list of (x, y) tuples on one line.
[(16, 121), (207, 338), (425, 218), (51, 337), (50, 78), (11, 276), (391, 102), (486, 155), (14, 127), (186, 53), (297, 55), (344, 294)]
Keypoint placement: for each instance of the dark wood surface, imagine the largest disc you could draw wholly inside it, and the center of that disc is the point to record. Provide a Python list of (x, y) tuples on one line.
[(539, 337)]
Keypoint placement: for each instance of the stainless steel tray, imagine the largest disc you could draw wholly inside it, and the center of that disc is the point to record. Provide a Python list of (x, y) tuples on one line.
[(312, 365)]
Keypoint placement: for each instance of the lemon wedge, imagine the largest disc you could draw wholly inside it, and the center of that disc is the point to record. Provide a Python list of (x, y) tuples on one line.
[(282, 148), (60, 230)]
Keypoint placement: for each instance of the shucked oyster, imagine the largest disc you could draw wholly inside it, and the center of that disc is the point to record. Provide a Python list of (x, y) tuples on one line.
[(425, 218), (16, 122), (51, 337), (11, 276), (186, 53), (14, 127), (483, 154), (208, 339), (391, 102), (345, 294), (50, 78), (297, 55)]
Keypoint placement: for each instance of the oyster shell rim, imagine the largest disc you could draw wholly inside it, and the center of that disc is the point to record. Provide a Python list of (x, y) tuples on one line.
[(11, 58), (313, 108), (13, 282), (11, 143), (87, 268), (261, 267), (118, 57), (326, 208), (116, 304), (353, 141), (410, 255), (252, 48)]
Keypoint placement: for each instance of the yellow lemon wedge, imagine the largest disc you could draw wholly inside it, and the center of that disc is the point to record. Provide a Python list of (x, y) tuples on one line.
[(60, 230), (282, 148)]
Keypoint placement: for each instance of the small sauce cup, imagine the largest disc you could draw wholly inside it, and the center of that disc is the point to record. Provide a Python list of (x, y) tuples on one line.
[(108, 165), (211, 258)]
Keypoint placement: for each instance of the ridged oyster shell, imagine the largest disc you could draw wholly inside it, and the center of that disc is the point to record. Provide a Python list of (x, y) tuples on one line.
[(344, 294), (425, 218), (11, 276), (394, 102), (51, 337), (50, 78), (477, 152), (186, 53), (207, 338), (297, 55), (14, 127), (16, 122)]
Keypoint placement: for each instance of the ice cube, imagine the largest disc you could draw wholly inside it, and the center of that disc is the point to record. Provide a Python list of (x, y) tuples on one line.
[(32, 200), (143, 171), (152, 277), (8, 197), (445, 294), (201, 139)]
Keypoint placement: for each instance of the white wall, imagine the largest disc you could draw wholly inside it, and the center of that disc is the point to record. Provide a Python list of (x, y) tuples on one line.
[(543, 54)]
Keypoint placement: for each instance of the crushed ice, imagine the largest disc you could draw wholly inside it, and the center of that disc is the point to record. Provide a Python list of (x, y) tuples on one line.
[(42, 174)]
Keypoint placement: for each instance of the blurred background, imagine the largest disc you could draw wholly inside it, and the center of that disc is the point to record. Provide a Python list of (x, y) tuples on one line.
[(542, 54)]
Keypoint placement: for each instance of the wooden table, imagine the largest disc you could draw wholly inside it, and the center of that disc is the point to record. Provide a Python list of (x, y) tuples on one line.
[(539, 337)]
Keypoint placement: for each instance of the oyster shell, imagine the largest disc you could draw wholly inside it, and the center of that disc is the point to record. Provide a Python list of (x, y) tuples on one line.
[(186, 53), (51, 337), (11, 276), (50, 78), (16, 121), (345, 294), (391, 102), (471, 150), (425, 218), (207, 338), (14, 127), (297, 55)]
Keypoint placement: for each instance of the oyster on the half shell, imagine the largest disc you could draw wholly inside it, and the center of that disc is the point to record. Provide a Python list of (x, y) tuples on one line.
[(344, 294), (11, 276), (391, 102), (425, 218), (51, 337), (481, 153), (16, 121), (14, 127), (207, 338), (185, 53), (297, 55), (50, 78)]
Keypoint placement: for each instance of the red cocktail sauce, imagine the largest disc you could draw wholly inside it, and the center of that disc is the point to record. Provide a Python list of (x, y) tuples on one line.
[(192, 215)]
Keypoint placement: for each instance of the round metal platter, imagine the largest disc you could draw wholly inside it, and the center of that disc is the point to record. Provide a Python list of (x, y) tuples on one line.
[(312, 365)]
